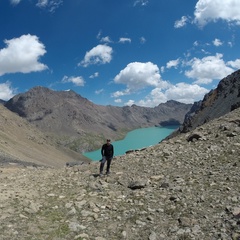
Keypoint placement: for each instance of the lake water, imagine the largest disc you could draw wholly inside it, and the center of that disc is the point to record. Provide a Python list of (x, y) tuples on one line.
[(136, 139)]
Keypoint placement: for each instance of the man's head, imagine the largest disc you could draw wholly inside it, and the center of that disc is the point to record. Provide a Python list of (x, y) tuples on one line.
[(108, 141)]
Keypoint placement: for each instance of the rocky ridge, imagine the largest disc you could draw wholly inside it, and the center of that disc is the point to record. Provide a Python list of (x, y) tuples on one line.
[(219, 101), (186, 187)]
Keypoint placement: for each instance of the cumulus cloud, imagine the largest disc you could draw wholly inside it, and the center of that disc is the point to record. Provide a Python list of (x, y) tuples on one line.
[(212, 10), (155, 97), (22, 55), (138, 75), (77, 81), (234, 64), (118, 94), (130, 102), (6, 91), (106, 39), (118, 100), (100, 54), (207, 69), (95, 75), (186, 93), (182, 22), (217, 42), (173, 63), (181, 92)]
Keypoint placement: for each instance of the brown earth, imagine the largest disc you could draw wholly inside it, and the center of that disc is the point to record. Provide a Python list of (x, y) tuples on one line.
[(21, 143)]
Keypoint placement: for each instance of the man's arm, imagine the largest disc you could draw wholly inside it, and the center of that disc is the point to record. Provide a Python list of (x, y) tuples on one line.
[(102, 150)]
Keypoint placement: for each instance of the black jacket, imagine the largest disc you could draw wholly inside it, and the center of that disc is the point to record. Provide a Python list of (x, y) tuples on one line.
[(107, 150)]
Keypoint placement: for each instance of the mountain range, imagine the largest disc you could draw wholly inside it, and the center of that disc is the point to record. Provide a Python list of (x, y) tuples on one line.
[(77, 123), (183, 188), (50, 128)]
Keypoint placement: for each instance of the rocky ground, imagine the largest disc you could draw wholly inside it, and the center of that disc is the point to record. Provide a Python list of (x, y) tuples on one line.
[(184, 188)]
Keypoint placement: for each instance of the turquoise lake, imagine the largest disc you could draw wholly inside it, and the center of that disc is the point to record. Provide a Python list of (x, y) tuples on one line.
[(136, 139)]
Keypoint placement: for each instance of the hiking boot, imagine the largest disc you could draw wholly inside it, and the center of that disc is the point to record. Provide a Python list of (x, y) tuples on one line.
[(101, 175), (107, 173)]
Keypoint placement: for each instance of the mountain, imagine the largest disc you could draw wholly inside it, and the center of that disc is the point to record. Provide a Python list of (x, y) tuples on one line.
[(23, 144), (82, 125), (178, 189), (186, 187), (222, 100), (2, 101)]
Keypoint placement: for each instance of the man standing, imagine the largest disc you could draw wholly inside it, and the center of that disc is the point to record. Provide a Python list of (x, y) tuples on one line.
[(107, 152)]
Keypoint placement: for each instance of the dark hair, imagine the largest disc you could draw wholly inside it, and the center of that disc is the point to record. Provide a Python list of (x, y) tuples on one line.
[(108, 140)]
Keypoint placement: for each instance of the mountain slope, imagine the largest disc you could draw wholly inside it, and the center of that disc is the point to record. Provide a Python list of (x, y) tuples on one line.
[(222, 100), (178, 189), (21, 143), (82, 125)]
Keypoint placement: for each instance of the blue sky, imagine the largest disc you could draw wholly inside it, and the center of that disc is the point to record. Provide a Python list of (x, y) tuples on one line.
[(119, 52)]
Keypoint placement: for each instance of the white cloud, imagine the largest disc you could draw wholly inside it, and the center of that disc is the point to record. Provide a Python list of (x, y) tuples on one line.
[(213, 10), (15, 2), (139, 75), (95, 75), (99, 91), (50, 5), (155, 97), (142, 40), (121, 93), (100, 54), (217, 42), (124, 40), (181, 92), (162, 69), (196, 43), (230, 44), (6, 91), (106, 39), (173, 63), (42, 3), (182, 22), (207, 69), (140, 2), (130, 102), (99, 34), (118, 100), (22, 55), (234, 64), (78, 81), (186, 93)]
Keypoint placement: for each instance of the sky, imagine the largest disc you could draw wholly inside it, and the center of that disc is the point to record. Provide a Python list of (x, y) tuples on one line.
[(119, 52)]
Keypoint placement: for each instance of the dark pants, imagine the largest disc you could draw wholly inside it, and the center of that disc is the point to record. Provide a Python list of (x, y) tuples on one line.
[(108, 160)]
